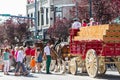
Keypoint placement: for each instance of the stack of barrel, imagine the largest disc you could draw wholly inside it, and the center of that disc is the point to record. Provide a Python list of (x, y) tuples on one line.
[(107, 33)]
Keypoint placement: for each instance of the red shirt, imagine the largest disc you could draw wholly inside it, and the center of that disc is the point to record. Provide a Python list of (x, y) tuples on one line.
[(13, 52), (32, 52), (84, 24), (27, 51)]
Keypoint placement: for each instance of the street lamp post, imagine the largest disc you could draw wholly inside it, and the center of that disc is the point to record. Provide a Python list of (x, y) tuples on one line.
[(90, 8), (76, 9), (36, 18)]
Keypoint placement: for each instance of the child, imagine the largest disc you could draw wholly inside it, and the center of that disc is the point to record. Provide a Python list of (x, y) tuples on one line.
[(6, 56), (32, 64), (39, 59)]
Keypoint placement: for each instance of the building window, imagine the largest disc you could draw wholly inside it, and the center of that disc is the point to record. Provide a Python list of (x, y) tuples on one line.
[(42, 19), (58, 9), (38, 17), (28, 15), (31, 15), (46, 15), (58, 13)]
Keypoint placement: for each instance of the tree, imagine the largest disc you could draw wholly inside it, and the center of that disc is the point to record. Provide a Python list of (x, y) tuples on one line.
[(60, 29), (103, 11), (108, 11), (82, 9), (2, 33), (21, 32), (7, 31), (13, 31), (10, 35)]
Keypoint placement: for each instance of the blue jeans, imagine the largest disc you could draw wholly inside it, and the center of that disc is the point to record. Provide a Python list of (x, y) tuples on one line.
[(19, 64)]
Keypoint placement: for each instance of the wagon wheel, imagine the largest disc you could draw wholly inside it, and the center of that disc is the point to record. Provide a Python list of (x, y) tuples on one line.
[(102, 66), (102, 70), (73, 67), (92, 63), (81, 64), (83, 70), (118, 66)]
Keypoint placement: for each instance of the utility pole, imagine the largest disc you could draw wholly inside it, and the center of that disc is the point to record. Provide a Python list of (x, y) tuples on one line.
[(36, 19), (76, 9), (90, 8)]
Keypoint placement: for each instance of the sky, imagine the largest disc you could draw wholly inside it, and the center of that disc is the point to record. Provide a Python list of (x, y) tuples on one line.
[(13, 7)]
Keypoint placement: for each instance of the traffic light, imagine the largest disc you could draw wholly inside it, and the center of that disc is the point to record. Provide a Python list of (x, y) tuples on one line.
[(41, 9), (37, 37), (51, 7)]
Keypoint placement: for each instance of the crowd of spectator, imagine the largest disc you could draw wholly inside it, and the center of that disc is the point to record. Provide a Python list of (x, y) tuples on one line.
[(24, 59)]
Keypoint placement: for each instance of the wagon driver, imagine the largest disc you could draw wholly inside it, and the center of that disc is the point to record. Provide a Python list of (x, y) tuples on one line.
[(76, 24)]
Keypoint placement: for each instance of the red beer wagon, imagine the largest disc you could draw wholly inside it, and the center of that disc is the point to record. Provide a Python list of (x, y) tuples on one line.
[(93, 47)]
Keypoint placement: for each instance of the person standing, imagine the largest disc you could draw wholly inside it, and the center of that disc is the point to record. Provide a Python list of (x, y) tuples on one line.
[(19, 60), (39, 59), (33, 64), (84, 23), (48, 57), (92, 22), (6, 56), (16, 53), (33, 51), (28, 56)]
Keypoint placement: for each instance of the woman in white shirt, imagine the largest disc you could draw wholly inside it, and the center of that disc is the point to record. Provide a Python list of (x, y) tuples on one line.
[(19, 60)]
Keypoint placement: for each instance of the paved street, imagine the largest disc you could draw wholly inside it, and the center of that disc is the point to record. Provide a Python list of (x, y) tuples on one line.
[(110, 75)]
